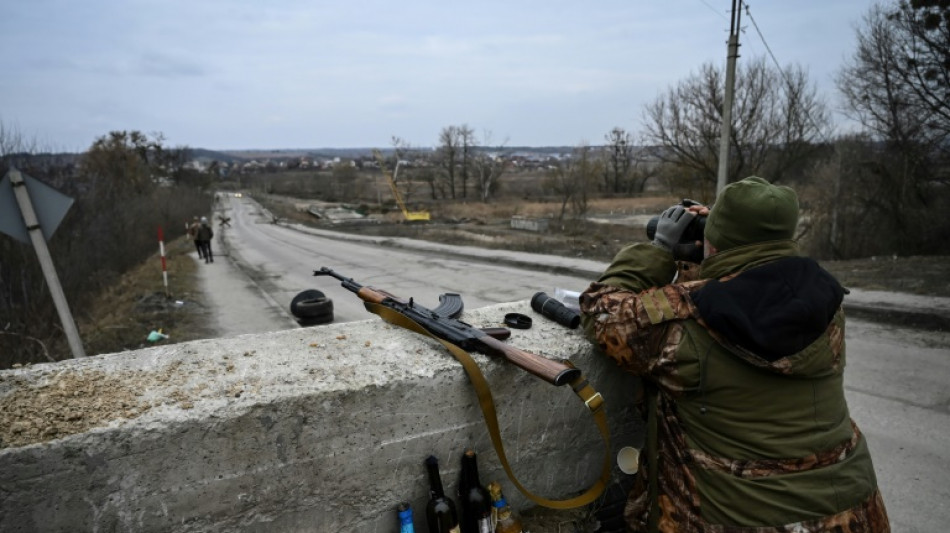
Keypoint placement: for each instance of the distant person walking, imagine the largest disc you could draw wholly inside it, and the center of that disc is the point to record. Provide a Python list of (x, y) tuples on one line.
[(192, 229), (203, 237)]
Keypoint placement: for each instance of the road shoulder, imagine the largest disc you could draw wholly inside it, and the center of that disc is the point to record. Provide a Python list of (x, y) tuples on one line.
[(236, 303)]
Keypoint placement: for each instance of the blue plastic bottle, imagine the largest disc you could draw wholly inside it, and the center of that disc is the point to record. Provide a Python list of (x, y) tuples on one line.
[(405, 518)]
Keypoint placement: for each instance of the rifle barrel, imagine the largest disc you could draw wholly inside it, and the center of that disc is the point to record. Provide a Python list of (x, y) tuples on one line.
[(348, 283)]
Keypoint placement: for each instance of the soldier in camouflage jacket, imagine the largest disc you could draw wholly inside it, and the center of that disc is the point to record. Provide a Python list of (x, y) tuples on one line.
[(748, 429)]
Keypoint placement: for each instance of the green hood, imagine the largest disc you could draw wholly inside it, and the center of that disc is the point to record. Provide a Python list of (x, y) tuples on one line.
[(745, 257)]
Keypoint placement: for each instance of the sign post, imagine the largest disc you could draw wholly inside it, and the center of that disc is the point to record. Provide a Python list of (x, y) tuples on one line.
[(37, 237)]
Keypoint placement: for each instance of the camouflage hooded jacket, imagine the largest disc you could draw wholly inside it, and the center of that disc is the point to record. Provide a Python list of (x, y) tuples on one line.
[(743, 371)]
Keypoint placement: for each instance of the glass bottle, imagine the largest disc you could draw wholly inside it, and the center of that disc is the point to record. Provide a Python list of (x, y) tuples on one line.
[(473, 497), (505, 520), (405, 518), (440, 511)]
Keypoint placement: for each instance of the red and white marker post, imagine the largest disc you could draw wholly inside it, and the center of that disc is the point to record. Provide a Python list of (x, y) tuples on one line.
[(161, 248)]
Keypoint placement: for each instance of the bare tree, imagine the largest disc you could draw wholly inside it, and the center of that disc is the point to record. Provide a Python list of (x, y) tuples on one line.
[(122, 163), (456, 151), (644, 168), (845, 204), (777, 117), (12, 141), (875, 94), (487, 168), (617, 171), (449, 154), (403, 176), (430, 177), (895, 86), (573, 179), (467, 142), (176, 164), (559, 180), (922, 32)]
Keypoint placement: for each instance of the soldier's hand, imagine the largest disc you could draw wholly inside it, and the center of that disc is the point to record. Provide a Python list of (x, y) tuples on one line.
[(673, 222)]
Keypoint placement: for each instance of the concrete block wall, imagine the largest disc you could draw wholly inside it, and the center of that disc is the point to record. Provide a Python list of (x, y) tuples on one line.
[(310, 429), (530, 224)]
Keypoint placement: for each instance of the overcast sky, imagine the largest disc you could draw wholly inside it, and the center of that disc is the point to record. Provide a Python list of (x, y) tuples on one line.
[(241, 74)]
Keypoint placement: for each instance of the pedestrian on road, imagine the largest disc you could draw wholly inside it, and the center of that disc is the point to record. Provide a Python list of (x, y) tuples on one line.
[(192, 229), (742, 370), (204, 236)]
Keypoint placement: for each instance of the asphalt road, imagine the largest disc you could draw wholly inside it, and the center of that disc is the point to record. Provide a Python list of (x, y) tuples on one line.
[(280, 260), (896, 378)]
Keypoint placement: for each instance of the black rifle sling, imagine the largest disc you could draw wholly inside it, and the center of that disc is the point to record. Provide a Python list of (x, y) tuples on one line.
[(591, 398)]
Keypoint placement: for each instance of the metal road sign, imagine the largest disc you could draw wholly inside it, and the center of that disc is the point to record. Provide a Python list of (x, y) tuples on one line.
[(50, 206), (34, 222)]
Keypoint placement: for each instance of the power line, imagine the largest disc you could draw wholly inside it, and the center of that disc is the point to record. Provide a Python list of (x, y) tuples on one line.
[(713, 9), (782, 71), (762, 38)]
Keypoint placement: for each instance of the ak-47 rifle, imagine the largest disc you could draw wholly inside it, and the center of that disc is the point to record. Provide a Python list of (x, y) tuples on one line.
[(443, 324), (457, 336)]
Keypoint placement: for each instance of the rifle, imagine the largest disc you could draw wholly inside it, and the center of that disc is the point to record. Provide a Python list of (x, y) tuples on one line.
[(442, 323)]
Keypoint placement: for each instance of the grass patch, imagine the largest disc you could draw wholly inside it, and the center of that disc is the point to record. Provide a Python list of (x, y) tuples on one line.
[(923, 275), (122, 317)]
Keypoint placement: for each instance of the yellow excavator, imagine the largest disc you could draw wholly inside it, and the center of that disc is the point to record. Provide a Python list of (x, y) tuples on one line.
[(411, 216)]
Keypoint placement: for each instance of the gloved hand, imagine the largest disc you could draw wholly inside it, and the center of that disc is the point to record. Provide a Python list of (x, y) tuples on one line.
[(672, 224)]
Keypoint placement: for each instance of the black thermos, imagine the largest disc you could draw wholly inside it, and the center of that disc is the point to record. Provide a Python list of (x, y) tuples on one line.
[(555, 310)]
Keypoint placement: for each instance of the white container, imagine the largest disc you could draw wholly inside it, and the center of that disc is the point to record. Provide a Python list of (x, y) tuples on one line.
[(570, 299)]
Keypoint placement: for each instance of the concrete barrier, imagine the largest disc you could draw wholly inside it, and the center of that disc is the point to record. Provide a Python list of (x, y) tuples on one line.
[(530, 224), (311, 429)]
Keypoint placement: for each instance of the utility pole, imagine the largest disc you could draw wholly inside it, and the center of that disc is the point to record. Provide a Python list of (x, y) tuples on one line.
[(731, 55)]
